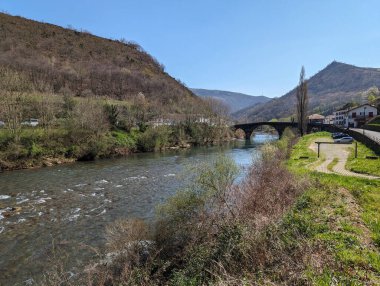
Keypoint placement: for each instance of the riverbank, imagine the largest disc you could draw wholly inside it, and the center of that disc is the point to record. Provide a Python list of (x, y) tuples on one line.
[(39, 147), (275, 227)]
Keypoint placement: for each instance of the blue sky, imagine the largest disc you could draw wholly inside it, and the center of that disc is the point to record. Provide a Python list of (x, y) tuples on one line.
[(255, 47)]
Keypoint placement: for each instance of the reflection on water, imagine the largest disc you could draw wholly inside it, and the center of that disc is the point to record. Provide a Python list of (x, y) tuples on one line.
[(69, 206)]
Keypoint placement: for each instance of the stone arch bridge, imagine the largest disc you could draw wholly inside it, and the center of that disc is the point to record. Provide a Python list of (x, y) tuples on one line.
[(248, 128)]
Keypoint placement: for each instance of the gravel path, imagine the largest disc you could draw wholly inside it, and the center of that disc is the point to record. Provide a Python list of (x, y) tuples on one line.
[(340, 151)]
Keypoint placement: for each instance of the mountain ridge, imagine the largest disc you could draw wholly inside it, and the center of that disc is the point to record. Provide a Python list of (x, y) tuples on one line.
[(234, 100), (332, 87)]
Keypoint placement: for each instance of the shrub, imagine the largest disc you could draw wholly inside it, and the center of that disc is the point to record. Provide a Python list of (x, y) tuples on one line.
[(123, 232), (6, 138), (239, 134), (154, 138), (123, 139), (35, 150)]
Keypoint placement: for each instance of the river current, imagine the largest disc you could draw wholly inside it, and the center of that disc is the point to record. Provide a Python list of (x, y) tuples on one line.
[(63, 210)]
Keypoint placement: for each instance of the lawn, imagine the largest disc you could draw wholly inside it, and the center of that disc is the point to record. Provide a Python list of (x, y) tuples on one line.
[(341, 215), (362, 164)]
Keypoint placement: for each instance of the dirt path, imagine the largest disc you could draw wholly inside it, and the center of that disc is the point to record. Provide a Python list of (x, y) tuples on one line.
[(339, 151)]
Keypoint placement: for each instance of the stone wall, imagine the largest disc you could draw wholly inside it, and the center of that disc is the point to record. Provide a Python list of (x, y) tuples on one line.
[(372, 127)]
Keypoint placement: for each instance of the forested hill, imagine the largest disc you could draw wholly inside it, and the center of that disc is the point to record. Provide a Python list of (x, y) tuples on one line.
[(332, 87), (69, 61), (234, 100)]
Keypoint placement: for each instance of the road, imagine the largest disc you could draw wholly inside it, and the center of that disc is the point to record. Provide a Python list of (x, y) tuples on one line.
[(370, 134)]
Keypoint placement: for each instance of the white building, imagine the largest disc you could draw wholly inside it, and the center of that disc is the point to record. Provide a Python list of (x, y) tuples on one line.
[(359, 115), (329, 119), (340, 117)]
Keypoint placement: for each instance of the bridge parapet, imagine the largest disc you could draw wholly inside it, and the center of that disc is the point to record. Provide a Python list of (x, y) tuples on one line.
[(280, 127)]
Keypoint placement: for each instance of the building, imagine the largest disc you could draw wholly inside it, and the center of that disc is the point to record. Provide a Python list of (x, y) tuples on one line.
[(358, 116), (316, 119), (340, 117), (329, 119), (175, 119)]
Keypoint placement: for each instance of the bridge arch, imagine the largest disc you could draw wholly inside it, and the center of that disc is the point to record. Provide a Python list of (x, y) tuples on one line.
[(262, 129), (248, 128)]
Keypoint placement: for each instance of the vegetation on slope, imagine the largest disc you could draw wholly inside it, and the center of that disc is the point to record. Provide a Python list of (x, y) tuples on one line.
[(67, 61), (72, 128), (73, 139)]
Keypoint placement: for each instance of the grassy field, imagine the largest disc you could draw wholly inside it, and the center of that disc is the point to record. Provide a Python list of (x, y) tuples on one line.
[(341, 216), (302, 155), (362, 164)]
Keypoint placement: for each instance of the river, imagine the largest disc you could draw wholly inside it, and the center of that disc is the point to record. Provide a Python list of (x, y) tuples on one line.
[(67, 207)]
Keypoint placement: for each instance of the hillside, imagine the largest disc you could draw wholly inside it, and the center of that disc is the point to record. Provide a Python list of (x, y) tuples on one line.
[(61, 60), (330, 88), (90, 98), (234, 100)]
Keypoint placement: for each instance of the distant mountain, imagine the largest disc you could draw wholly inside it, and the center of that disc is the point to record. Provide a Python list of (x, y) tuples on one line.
[(234, 100), (330, 88)]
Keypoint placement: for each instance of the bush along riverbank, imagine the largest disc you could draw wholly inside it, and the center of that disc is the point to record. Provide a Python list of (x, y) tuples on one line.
[(280, 225), (37, 147), (70, 126)]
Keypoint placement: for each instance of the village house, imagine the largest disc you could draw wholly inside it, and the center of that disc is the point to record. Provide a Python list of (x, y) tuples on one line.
[(329, 119), (358, 116), (175, 119), (340, 117), (316, 119)]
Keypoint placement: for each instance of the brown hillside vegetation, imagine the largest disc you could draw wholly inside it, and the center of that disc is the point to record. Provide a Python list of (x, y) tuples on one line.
[(331, 88), (62, 60)]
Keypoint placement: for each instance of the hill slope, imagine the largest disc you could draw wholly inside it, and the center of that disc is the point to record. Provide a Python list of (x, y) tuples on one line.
[(330, 88), (234, 100), (62, 60)]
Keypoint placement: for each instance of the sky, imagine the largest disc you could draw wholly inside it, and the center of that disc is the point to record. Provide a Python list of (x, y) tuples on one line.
[(250, 46)]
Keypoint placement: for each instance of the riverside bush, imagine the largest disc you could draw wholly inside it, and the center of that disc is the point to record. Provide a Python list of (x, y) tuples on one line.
[(154, 138)]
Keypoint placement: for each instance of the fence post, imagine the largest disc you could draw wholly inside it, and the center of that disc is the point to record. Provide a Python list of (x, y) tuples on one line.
[(318, 148), (356, 149)]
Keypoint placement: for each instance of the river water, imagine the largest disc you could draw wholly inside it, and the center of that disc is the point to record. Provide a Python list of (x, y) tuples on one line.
[(68, 207)]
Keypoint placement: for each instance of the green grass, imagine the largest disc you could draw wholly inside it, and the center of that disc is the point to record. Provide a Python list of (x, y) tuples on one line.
[(301, 149), (362, 164), (332, 164), (329, 218), (375, 121)]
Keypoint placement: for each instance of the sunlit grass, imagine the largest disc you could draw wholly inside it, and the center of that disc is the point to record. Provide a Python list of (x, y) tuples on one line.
[(362, 164), (328, 212)]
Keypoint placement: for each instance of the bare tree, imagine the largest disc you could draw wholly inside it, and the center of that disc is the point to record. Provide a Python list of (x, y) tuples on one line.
[(12, 86), (302, 103)]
